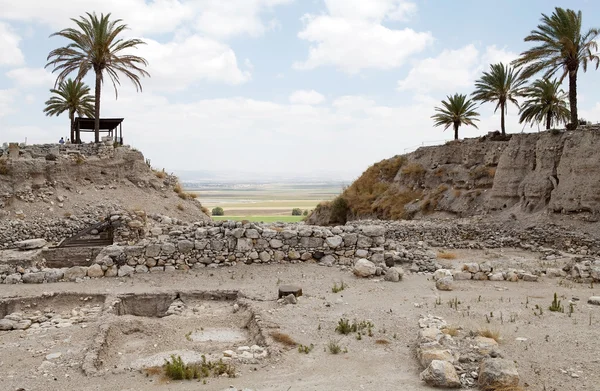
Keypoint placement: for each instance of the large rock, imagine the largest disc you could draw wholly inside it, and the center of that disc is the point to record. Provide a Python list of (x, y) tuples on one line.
[(185, 246), (445, 284), (34, 278), (7, 324), (334, 241), (394, 274), (54, 275), (153, 250), (75, 272), (14, 278), (373, 230), (496, 373), (594, 300), (125, 271), (364, 268), (30, 244), (95, 271), (441, 273), (441, 374), (244, 245), (426, 356)]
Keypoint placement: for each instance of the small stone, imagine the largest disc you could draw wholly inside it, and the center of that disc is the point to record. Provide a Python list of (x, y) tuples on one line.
[(441, 273), (95, 271), (394, 274), (594, 300), (364, 268), (497, 373), (7, 324), (529, 277), (125, 271), (290, 299), (30, 244), (53, 356), (445, 284), (441, 374), (75, 272)]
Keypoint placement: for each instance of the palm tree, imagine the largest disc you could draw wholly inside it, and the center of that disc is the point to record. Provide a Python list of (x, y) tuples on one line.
[(502, 84), (563, 48), (545, 100), (456, 111), (71, 96), (96, 45)]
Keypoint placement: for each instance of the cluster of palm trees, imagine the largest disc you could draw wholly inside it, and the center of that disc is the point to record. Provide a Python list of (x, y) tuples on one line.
[(561, 47), (95, 45)]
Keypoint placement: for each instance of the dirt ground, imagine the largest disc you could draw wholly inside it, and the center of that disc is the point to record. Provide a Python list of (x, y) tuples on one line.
[(553, 351)]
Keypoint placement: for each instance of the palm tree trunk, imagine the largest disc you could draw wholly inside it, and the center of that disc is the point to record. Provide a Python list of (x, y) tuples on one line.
[(456, 131), (548, 120), (72, 118), (502, 105), (97, 106), (573, 98)]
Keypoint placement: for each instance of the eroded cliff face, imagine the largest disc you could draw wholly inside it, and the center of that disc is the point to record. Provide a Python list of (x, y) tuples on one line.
[(558, 172)]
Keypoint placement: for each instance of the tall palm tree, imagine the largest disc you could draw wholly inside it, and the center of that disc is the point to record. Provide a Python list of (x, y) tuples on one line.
[(562, 47), (545, 100), (456, 111), (73, 97), (502, 84), (96, 45)]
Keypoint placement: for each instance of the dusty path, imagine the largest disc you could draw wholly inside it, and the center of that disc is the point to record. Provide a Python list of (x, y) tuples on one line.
[(559, 353)]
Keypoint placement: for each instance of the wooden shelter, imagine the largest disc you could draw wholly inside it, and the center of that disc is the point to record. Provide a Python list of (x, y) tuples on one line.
[(107, 125)]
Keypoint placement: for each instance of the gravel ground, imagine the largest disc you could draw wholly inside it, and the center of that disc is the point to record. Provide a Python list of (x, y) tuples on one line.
[(553, 351)]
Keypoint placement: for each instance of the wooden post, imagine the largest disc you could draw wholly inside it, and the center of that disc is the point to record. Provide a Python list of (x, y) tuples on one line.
[(121, 132)]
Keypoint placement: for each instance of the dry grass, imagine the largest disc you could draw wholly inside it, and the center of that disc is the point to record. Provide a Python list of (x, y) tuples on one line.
[(205, 210), (372, 184), (67, 214), (180, 207), (451, 331), (439, 172), (79, 160), (283, 339), (482, 172), (3, 167), (160, 174), (489, 333), (177, 188), (192, 195), (153, 371), (413, 171), (457, 193), (446, 255), (382, 342)]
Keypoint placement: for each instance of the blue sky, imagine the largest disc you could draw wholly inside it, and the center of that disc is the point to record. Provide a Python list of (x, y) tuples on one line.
[(297, 86)]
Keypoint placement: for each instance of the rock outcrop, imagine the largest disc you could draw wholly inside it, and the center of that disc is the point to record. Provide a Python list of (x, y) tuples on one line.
[(554, 171)]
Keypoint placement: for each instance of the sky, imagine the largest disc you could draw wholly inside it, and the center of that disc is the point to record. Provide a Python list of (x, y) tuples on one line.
[(280, 86)]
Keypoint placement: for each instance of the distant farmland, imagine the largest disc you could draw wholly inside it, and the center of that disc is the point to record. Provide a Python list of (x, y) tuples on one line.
[(268, 202)]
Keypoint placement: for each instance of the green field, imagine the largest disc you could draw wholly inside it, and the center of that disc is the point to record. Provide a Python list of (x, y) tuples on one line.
[(269, 202)]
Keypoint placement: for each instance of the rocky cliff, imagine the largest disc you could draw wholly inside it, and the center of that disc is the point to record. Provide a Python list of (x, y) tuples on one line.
[(554, 172)]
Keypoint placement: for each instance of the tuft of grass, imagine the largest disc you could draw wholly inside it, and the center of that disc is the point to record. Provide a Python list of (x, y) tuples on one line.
[(556, 306), (67, 214), (177, 188), (180, 207), (79, 160), (334, 347), (3, 167), (446, 255), (345, 327), (205, 210), (382, 342), (413, 171), (338, 288), (451, 331), (306, 349), (283, 338), (176, 369), (489, 333), (160, 174)]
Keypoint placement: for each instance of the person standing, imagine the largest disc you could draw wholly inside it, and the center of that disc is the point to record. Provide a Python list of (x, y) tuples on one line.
[(61, 141)]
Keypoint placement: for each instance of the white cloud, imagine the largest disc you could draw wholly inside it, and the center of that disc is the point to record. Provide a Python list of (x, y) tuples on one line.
[(156, 17), (177, 65), (31, 77), (452, 70), (372, 10), (6, 102), (353, 44), (224, 19), (305, 97), (9, 46)]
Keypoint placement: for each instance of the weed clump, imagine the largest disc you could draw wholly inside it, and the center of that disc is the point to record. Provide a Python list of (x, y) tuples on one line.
[(305, 349), (338, 288), (180, 207), (3, 167), (489, 333), (176, 369), (283, 339), (345, 327), (334, 347), (446, 255), (556, 306)]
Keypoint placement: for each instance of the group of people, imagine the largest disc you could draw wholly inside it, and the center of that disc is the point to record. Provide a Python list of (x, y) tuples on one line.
[(62, 141)]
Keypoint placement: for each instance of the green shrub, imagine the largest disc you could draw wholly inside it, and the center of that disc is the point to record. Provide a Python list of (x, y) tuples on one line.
[(296, 212), (176, 369), (339, 211), (218, 211), (305, 213)]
